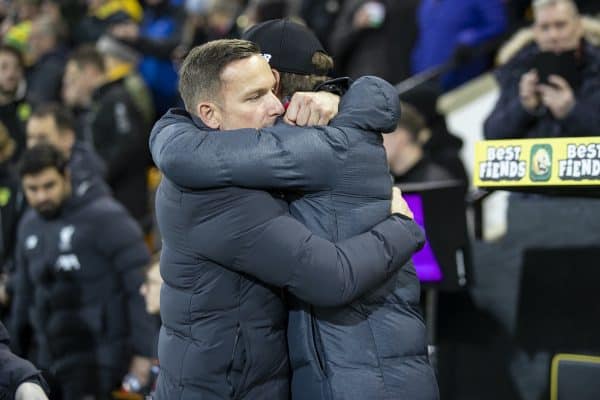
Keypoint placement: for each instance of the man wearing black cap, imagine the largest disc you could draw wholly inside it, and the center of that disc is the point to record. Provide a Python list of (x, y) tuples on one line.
[(374, 347), (300, 65), (223, 333)]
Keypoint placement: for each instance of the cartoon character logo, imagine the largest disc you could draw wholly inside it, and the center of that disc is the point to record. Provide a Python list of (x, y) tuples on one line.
[(540, 162)]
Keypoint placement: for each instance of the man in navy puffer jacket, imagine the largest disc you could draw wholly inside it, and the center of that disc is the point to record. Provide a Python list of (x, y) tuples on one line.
[(223, 334), (373, 348)]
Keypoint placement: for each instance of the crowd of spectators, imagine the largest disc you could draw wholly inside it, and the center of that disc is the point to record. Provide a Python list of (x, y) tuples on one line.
[(91, 78)]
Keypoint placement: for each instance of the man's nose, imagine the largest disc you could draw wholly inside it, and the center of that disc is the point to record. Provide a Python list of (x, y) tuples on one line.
[(275, 106), (554, 35), (32, 141), (41, 196)]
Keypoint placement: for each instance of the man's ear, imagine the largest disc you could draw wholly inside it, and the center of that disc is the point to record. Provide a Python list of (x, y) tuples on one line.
[(277, 82), (210, 114)]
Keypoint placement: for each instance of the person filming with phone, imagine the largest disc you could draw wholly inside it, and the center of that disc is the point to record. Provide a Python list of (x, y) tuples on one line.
[(550, 88)]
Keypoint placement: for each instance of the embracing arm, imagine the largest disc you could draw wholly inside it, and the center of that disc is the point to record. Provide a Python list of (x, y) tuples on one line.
[(278, 157), (282, 252)]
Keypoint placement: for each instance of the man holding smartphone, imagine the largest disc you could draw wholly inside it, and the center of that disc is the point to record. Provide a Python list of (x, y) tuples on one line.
[(531, 105)]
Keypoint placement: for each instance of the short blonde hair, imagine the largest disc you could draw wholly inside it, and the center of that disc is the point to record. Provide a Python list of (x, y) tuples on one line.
[(539, 4)]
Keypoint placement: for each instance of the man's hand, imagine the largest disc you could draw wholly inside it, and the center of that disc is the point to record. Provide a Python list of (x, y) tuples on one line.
[(30, 391), (140, 367), (311, 108), (558, 96), (528, 93), (399, 205)]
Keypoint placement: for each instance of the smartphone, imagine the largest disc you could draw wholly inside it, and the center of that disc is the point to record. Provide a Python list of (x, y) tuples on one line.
[(563, 64)]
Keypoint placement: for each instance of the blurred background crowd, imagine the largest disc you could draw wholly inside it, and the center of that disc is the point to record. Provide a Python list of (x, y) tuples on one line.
[(91, 77)]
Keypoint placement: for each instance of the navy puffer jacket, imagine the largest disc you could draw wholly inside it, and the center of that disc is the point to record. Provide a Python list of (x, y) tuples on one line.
[(77, 285), (223, 333), (372, 348)]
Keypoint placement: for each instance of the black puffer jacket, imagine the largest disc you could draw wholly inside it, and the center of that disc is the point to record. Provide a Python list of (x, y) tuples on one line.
[(116, 129), (15, 370), (78, 278), (223, 333), (375, 347)]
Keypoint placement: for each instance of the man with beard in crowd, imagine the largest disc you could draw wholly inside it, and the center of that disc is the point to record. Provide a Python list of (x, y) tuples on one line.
[(79, 267)]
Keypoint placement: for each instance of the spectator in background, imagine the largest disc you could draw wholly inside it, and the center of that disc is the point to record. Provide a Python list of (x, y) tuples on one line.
[(156, 37), (443, 147), (47, 57), (17, 25), (79, 270), (320, 16), (101, 15), (11, 208), (529, 108), (451, 30), (258, 11), (121, 62), (114, 127), (14, 109), (374, 38), (52, 124), (209, 20), (408, 161), (150, 289), (19, 379)]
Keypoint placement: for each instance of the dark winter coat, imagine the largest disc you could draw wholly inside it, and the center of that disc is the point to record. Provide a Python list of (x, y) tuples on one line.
[(117, 132), (510, 120), (78, 277), (15, 370), (88, 170), (44, 78), (375, 347), (383, 51)]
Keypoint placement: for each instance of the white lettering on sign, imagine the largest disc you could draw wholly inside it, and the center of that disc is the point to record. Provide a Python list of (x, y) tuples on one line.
[(502, 163), (582, 162)]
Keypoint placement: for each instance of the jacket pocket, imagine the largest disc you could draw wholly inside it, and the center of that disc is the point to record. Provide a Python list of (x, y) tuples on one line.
[(237, 372)]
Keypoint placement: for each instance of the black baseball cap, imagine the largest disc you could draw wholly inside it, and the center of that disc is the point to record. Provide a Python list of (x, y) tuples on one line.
[(288, 46)]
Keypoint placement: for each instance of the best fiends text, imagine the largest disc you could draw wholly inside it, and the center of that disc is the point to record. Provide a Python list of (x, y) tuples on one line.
[(582, 162), (503, 163)]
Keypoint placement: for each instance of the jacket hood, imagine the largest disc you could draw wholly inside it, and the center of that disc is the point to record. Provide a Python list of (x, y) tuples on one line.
[(371, 104)]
